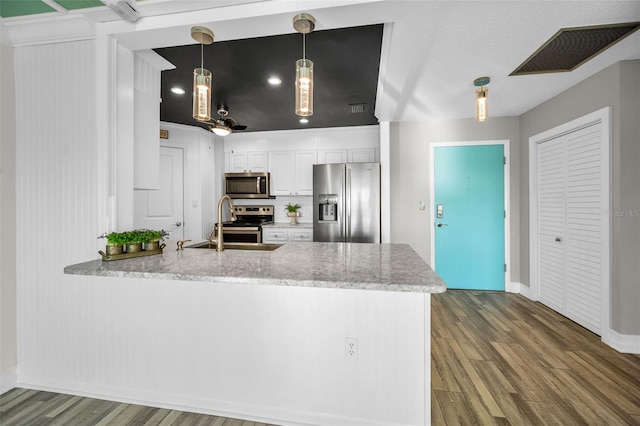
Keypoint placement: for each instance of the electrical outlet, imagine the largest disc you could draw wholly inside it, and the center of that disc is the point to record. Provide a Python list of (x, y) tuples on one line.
[(351, 348)]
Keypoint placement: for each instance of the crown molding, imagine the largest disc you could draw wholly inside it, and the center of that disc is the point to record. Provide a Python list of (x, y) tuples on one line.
[(47, 30)]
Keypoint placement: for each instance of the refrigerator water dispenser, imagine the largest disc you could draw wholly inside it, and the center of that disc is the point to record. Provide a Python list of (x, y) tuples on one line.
[(328, 208)]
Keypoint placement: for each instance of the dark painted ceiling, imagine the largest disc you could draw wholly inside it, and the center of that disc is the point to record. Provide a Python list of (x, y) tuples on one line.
[(346, 63)]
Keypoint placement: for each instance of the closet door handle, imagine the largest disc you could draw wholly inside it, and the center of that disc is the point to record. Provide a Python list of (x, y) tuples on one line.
[(558, 239)]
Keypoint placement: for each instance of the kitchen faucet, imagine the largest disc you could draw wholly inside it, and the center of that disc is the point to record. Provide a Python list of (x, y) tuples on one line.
[(219, 238)]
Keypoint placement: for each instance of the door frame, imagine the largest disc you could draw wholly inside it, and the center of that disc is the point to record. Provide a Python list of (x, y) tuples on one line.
[(508, 286), (602, 116)]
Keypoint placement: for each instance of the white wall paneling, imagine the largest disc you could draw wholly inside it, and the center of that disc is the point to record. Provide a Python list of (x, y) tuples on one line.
[(61, 196), (270, 353), (8, 311), (570, 206)]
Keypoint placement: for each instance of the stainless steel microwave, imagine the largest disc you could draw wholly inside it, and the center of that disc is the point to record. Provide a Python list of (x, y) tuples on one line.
[(247, 185)]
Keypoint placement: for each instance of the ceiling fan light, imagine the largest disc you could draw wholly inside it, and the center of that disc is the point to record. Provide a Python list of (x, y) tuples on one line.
[(202, 94), (221, 130), (304, 87)]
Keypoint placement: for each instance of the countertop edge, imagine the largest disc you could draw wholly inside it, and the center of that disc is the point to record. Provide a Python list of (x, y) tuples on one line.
[(407, 288)]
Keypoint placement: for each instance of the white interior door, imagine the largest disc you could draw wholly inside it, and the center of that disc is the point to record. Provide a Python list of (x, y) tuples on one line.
[(572, 229), (163, 209)]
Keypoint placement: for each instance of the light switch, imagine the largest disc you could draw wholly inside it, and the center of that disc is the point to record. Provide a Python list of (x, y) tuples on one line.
[(421, 205)]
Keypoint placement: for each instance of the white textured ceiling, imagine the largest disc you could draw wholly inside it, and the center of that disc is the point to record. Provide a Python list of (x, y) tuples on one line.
[(432, 50)]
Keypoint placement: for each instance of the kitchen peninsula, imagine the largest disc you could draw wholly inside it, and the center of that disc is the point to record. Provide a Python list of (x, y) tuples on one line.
[(309, 333)]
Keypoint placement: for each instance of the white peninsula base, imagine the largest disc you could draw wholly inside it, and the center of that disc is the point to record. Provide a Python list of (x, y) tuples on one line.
[(265, 353)]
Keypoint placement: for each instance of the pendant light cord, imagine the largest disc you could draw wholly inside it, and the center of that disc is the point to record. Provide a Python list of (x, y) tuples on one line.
[(304, 47), (201, 56)]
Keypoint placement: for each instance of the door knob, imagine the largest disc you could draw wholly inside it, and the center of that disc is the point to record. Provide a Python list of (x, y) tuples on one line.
[(440, 225), (558, 239), (178, 223)]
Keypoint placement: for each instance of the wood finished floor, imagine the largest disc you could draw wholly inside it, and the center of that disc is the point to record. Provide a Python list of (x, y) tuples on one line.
[(497, 359), (501, 359)]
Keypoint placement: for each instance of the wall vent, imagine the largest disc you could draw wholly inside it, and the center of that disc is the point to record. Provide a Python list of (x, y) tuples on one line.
[(571, 47), (357, 108)]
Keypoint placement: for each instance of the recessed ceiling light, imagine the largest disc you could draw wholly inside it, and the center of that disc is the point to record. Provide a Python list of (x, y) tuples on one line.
[(177, 90), (273, 80), (304, 120)]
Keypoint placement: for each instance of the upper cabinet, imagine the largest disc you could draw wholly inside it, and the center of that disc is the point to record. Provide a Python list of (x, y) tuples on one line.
[(292, 172), (254, 161), (332, 156), (146, 124), (359, 155), (364, 155)]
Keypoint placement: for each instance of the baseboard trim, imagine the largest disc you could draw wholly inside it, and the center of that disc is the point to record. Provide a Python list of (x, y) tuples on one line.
[(522, 289), (512, 287), (623, 343), (230, 409), (8, 379)]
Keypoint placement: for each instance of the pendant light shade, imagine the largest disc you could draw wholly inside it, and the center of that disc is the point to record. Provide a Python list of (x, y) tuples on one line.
[(202, 94), (202, 77), (482, 97), (304, 87), (304, 24)]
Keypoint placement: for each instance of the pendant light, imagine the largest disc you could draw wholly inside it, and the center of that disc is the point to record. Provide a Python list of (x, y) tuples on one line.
[(202, 77), (482, 98), (304, 24)]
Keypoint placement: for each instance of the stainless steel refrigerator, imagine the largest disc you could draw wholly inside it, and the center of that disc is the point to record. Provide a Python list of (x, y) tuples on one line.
[(346, 199)]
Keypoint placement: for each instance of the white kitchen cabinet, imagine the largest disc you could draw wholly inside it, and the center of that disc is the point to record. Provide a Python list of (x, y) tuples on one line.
[(274, 235), (252, 161), (281, 167), (304, 172), (332, 156), (361, 155), (292, 172), (364, 155), (257, 161)]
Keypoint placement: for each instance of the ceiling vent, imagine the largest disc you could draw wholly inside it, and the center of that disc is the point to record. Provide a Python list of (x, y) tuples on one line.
[(357, 108), (571, 47)]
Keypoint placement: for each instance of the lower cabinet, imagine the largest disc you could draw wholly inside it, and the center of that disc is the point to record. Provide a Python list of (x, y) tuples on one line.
[(283, 235)]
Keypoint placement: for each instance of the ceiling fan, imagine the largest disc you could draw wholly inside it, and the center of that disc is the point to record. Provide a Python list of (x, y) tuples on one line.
[(225, 124)]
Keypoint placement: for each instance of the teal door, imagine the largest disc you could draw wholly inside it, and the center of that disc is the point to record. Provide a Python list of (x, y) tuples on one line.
[(469, 216)]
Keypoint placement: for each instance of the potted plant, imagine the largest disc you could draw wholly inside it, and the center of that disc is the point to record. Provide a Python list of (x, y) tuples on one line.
[(151, 239), (133, 241), (292, 212), (115, 242)]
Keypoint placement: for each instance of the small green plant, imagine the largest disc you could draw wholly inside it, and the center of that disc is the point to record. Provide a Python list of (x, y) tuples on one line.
[(149, 236), (292, 207), (116, 239)]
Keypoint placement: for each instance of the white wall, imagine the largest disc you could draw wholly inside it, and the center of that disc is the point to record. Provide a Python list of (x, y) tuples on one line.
[(61, 193), (410, 177), (8, 315)]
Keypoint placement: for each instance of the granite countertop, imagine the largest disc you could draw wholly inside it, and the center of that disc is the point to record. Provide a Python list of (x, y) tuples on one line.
[(288, 225), (383, 267)]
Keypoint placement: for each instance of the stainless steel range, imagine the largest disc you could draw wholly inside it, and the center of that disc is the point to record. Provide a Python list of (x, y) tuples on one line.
[(247, 228)]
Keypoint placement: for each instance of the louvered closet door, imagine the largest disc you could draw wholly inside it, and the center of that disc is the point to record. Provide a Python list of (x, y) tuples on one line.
[(570, 209), (551, 217)]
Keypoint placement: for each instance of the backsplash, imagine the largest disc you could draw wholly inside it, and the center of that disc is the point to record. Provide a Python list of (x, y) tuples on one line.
[(279, 203)]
